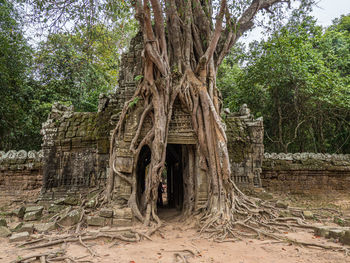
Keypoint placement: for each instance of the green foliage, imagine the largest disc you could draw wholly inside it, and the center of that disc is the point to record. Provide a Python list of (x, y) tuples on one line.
[(71, 67), (134, 102), (298, 80), (16, 124), (78, 67)]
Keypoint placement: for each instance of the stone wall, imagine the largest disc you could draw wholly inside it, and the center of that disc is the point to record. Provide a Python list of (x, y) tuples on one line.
[(306, 172), (76, 148), (20, 174)]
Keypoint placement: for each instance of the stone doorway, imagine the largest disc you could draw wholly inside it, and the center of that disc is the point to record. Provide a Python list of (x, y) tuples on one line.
[(172, 178)]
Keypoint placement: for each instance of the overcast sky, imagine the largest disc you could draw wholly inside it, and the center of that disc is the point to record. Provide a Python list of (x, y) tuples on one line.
[(324, 12)]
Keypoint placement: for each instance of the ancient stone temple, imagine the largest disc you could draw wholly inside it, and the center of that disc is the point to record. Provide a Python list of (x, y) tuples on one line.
[(76, 145)]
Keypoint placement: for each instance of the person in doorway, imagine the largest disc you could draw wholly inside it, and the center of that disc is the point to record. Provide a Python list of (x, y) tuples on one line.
[(160, 194)]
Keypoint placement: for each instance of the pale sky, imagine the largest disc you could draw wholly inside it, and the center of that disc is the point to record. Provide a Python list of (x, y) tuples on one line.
[(324, 12)]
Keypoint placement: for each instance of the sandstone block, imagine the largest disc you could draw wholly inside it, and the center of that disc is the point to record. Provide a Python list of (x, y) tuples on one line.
[(45, 227), (32, 216), (34, 209), (345, 239), (4, 231), (70, 219), (336, 233), (308, 214), (26, 228), (19, 212), (17, 237), (3, 222), (96, 221), (121, 222), (55, 208), (322, 231), (281, 204), (105, 212)]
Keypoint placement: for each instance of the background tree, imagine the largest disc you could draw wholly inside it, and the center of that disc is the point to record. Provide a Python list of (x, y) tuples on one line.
[(72, 66), (16, 127), (298, 80)]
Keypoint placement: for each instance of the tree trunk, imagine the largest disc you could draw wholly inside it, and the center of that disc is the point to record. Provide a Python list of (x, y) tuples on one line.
[(182, 63)]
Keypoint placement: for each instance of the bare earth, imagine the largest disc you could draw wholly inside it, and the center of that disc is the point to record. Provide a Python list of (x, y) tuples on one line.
[(178, 237)]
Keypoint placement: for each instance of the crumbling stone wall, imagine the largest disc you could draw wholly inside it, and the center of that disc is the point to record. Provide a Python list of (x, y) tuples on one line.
[(20, 174), (76, 148), (302, 172)]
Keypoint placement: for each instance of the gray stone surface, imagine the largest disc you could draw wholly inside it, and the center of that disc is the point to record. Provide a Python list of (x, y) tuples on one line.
[(4, 231), (32, 216), (96, 221), (336, 233), (19, 212), (322, 231), (106, 212), (281, 204), (55, 208), (70, 219), (345, 239), (17, 237), (45, 227), (121, 222), (308, 214), (3, 222), (34, 209), (28, 227)]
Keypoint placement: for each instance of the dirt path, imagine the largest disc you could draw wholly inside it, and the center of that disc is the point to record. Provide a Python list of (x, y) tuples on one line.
[(177, 237)]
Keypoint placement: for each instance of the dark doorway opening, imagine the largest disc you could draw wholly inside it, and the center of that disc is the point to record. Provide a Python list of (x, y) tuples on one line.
[(172, 178)]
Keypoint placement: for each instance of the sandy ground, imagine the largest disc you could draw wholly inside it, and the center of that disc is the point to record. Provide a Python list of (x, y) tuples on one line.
[(176, 236)]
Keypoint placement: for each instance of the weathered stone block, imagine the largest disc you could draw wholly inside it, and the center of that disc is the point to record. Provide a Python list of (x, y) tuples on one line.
[(281, 204), (308, 214), (34, 209), (121, 222), (17, 237), (3, 222), (96, 221), (19, 212), (26, 228), (336, 233), (32, 216), (4, 231), (105, 212), (322, 231), (45, 227), (70, 219), (345, 239), (55, 208)]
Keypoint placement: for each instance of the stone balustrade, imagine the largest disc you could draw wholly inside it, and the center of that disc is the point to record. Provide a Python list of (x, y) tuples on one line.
[(20, 174), (303, 172)]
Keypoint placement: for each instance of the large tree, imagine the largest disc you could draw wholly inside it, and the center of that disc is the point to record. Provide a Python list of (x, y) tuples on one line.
[(184, 44)]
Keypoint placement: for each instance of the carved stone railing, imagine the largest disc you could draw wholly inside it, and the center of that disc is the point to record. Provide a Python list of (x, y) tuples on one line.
[(307, 155), (20, 173), (303, 172), (20, 157)]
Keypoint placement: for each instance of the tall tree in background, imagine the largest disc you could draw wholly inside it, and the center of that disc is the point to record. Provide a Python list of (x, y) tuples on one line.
[(15, 61), (298, 80)]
